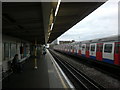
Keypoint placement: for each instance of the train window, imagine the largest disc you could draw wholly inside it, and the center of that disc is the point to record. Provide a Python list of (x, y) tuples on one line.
[(79, 46), (73, 47), (92, 47), (99, 48), (87, 47), (83, 47), (117, 46), (108, 48)]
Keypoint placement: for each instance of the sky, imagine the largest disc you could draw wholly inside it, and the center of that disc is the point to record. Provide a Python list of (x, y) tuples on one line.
[(102, 22)]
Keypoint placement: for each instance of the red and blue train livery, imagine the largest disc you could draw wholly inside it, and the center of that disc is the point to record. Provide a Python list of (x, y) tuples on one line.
[(104, 49)]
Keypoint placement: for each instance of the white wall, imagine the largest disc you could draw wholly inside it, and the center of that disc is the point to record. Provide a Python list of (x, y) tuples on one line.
[(9, 39)]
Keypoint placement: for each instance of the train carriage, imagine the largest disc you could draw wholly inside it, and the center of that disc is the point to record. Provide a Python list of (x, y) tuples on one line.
[(105, 49)]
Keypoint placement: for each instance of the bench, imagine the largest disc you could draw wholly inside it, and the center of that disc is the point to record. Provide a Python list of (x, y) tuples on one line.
[(10, 71)]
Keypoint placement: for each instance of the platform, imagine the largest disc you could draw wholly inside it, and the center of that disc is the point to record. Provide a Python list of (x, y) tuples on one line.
[(45, 76)]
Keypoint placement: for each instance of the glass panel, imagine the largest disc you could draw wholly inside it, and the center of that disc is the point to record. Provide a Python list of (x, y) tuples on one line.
[(92, 47), (108, 48), (101, 48), (79, 46), (87, 47), (98, 48), (83, 47)]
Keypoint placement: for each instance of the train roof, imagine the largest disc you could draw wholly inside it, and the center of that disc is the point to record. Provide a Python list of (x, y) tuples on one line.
[(105, 39)]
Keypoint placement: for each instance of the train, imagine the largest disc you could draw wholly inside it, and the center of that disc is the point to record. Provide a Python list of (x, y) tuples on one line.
[(103, 49)]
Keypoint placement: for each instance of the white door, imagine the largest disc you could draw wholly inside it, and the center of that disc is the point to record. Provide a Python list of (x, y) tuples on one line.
[(93, 49), (108, 50), (77, 48), (83, 49)]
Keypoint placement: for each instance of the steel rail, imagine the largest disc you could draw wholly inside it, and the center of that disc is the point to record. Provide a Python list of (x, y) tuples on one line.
[(82, 80)]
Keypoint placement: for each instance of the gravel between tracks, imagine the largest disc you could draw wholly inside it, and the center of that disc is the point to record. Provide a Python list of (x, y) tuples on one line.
[(101, 78)]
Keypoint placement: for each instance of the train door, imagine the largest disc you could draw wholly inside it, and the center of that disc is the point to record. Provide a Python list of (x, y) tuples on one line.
[(79, 49), (108, 52), (117, 53), (66, 48), (76, 49), (87, 50), (69, 48), (83, 49), (99, 51), (93, 51), (73, 47)]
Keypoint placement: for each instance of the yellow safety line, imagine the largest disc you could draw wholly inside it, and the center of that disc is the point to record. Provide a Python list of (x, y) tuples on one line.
[(63, 83), (50, 71)]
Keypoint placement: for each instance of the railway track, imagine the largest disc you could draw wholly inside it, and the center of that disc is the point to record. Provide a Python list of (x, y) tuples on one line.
[(79, 79), (109, 69)]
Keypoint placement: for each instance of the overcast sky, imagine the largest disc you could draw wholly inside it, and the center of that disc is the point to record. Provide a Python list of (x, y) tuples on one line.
[(102, 22)]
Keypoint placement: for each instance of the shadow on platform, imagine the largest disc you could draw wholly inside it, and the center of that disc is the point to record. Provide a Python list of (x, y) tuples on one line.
[(30, 77)]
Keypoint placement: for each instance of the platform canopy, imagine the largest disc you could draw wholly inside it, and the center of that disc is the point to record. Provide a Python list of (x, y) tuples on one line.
[(69, 14), (33, 20), (23, 20)]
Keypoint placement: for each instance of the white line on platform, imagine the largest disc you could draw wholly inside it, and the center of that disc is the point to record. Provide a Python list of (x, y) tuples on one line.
[(63, 74)]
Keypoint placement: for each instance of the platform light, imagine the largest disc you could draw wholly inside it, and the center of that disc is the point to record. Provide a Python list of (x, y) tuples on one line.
[(51, 26), (57, 7)]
